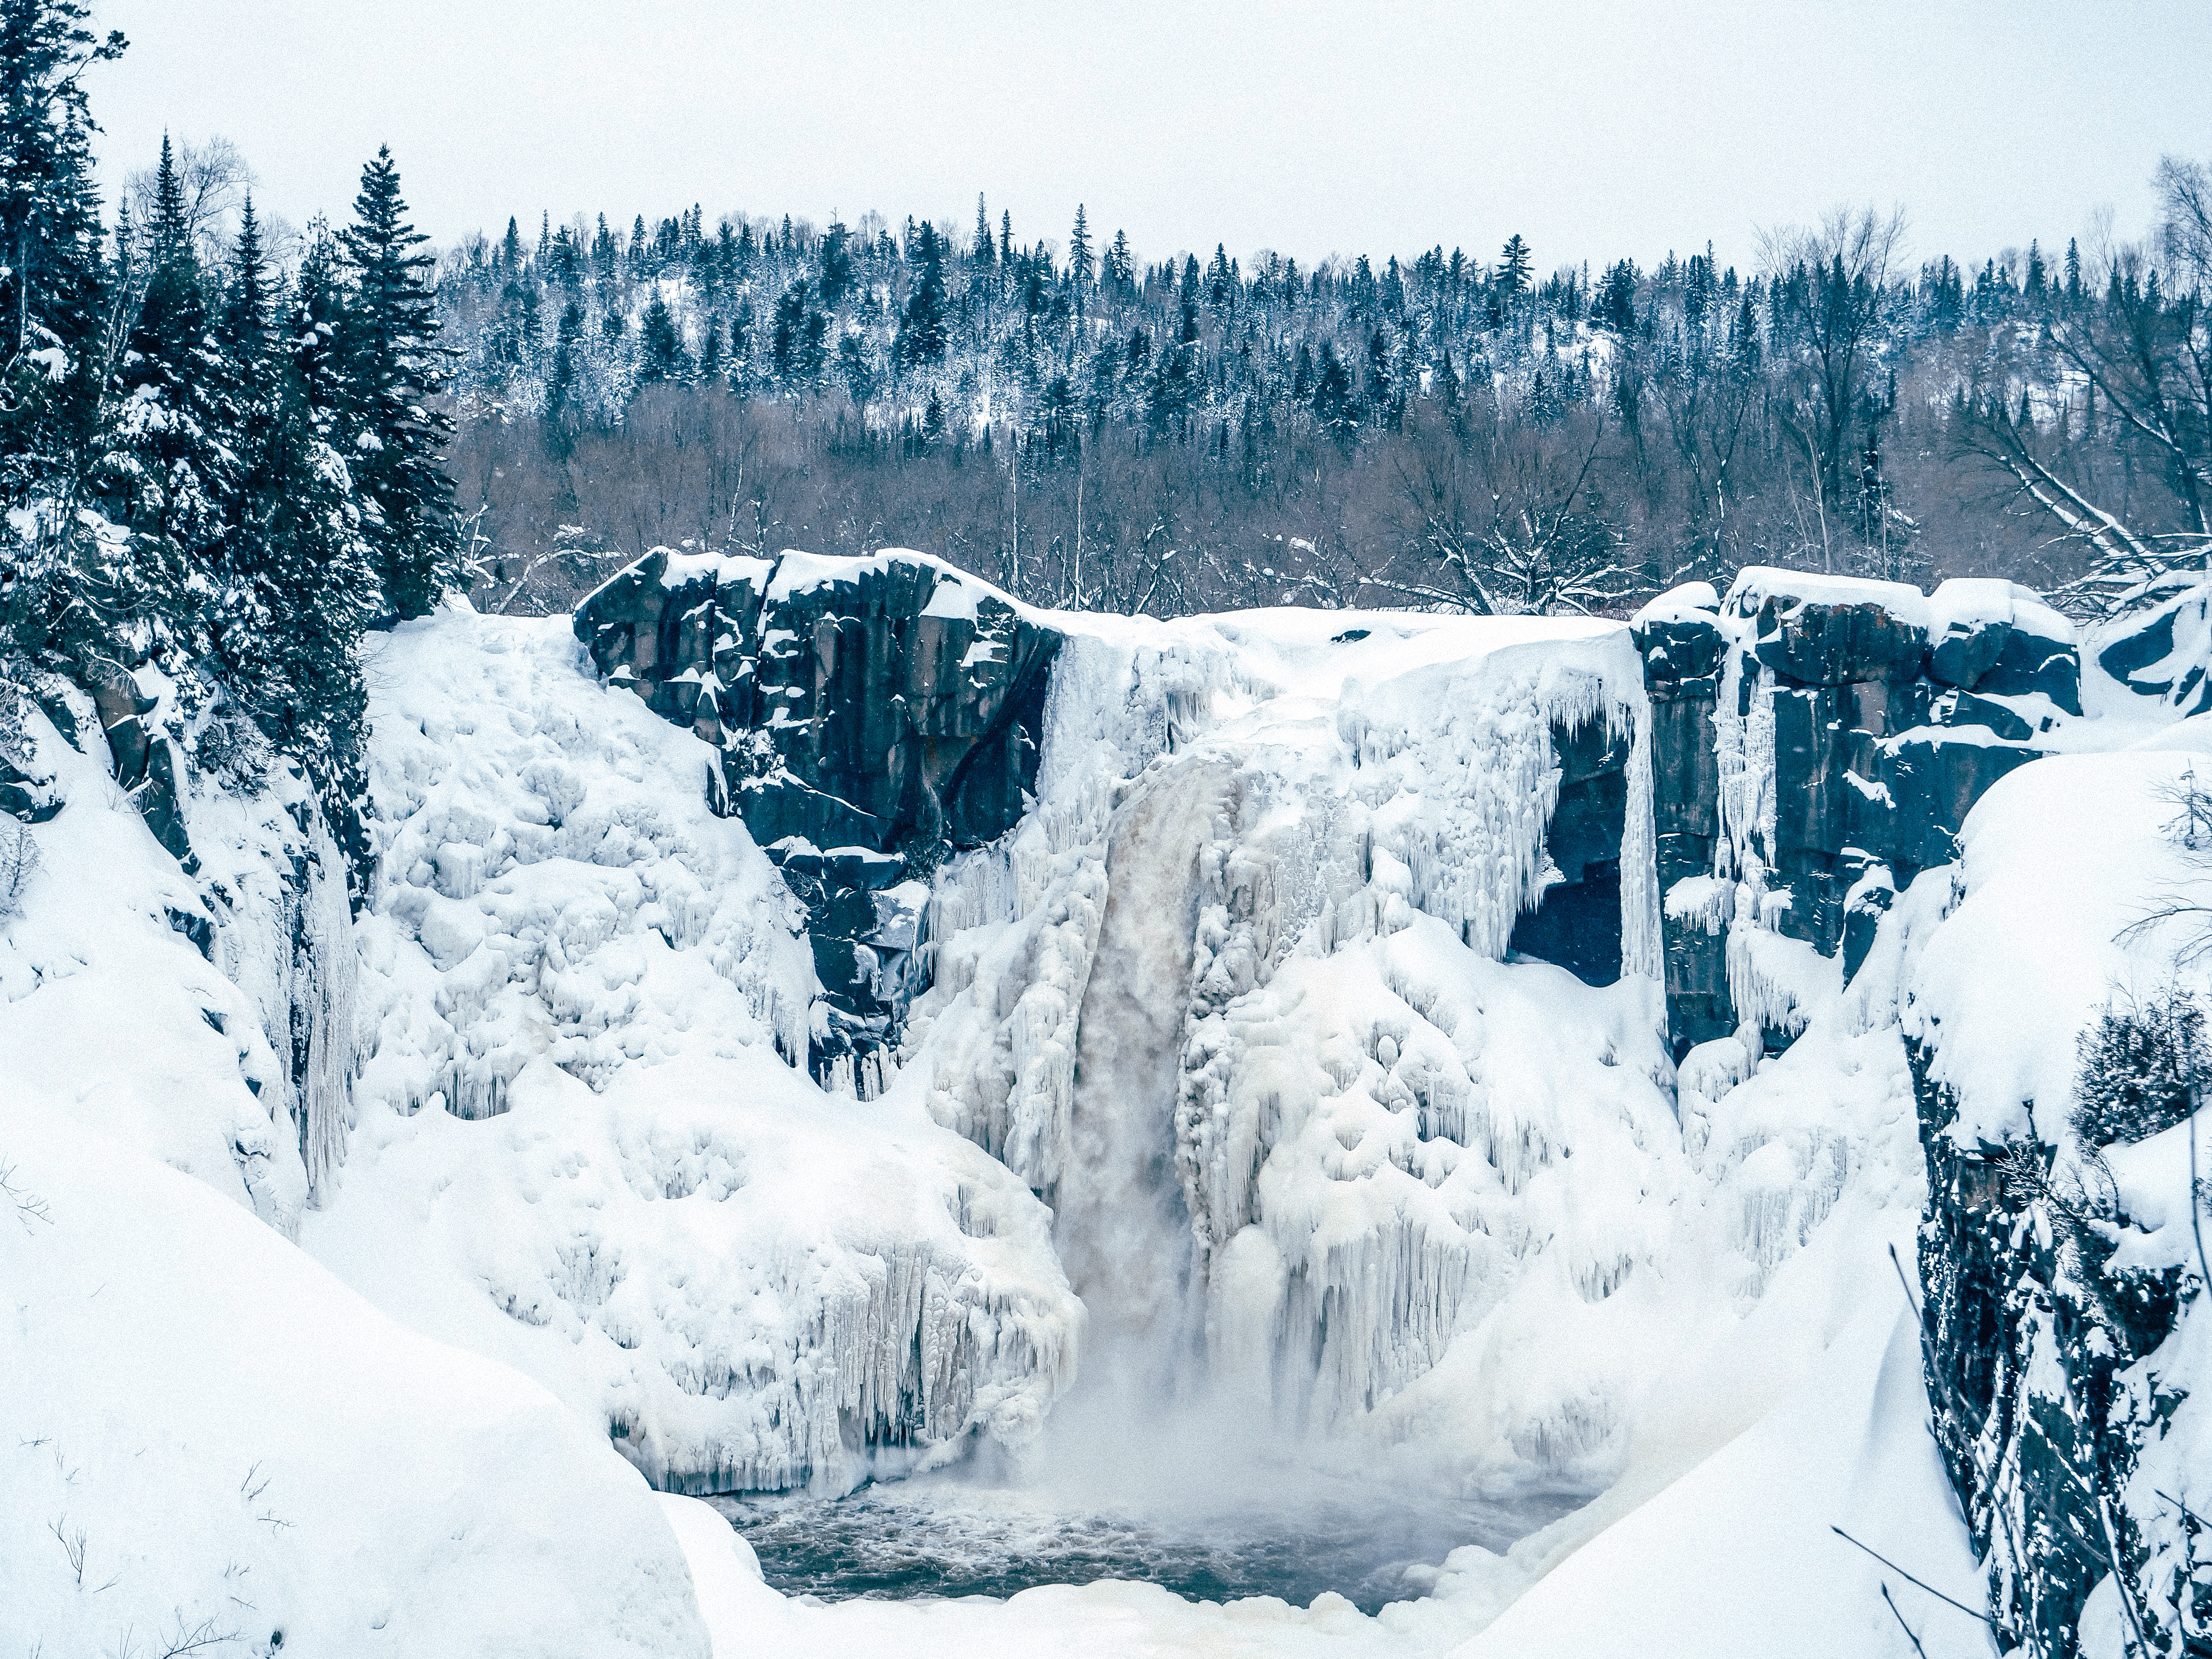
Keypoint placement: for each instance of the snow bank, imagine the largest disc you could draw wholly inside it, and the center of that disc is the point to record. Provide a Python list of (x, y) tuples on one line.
[(581, 1148), (2059, 860), (1740, 1555), (231, 1445), (113, 1017), (207, 1437)]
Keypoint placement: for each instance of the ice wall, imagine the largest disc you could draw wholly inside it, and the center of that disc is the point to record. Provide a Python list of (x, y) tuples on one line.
[(1229, 998), (586, 1144)]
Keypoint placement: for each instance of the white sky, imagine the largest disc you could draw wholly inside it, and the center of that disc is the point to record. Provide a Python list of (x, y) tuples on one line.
[(1593, 129)]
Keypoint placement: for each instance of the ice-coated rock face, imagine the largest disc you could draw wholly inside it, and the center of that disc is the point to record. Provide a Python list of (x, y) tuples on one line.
[(1817, 742), (889, 704)]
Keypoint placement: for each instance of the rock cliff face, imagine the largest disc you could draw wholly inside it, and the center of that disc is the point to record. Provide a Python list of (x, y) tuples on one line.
[(872, 715), (1816, 743)]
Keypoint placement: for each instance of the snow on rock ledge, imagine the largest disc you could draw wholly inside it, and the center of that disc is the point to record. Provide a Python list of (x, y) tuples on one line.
[(581, 1146)]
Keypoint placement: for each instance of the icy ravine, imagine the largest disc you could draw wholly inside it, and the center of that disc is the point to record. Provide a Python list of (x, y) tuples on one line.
[(752, 1284)]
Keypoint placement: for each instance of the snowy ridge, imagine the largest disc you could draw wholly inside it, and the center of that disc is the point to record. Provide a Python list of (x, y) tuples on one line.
[(748, 1284)]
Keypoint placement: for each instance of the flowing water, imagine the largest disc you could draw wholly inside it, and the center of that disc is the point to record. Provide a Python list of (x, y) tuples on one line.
[(935, 1538)]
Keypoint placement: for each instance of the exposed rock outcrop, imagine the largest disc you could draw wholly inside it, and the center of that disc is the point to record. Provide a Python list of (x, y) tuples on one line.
[(872, 715), (1816, 743)]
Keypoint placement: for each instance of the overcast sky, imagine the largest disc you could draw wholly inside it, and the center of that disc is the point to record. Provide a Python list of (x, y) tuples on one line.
[(1594, 130)]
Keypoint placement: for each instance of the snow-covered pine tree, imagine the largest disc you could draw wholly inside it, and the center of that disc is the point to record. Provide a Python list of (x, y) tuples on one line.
[(1079, 255), (64, 579), (922, 333), (299, 580), (393, 365), (1514, 265), (2138, 1070), (172, 471), (661, 355)]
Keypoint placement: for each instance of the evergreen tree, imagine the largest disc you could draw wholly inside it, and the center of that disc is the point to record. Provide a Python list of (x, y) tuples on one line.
[(1120, 270), (1334, 401), (568, 352), (53, 277), (65, 582), (170, 472), (985, 252), (299, 577), (922, 334), (1079, 251), (836, 264), (660, 347), (393, 365), (1514, 265), (1616, 299)]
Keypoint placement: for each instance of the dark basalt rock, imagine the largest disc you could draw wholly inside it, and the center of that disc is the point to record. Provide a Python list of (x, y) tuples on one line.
[(2125, 658), (1882, 742), (1683, 648), (32, 799), (1681, 654), (1965, 653), (2030, 664), (1577, 921), (1818, 643), (871, 715)]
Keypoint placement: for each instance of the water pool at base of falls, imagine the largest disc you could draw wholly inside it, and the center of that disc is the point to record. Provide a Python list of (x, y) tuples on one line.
[(926, 1538)]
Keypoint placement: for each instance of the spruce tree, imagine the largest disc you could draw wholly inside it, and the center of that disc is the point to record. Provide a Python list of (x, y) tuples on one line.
[(69, 583), (837, 263), (1514, 265), (985, 252), (568, 353), (393, 365), (298, 578), (171, 471), (922, 333), (1078, 253), (661, 353)]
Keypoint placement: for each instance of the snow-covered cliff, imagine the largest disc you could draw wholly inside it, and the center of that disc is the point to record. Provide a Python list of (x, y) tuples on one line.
[(1499, 1053)]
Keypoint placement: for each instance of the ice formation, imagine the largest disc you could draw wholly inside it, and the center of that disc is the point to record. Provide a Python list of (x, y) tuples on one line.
[(1234, 999), (582, 1144)]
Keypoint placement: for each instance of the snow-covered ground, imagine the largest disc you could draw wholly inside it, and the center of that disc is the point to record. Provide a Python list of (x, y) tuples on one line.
[(207, 1442)]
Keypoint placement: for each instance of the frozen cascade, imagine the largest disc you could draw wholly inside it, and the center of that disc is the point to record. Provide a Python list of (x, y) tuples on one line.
[(1122, 1228), (1321, 1136)]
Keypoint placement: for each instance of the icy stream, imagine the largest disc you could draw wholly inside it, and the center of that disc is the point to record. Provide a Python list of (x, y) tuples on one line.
[(944, 1538)]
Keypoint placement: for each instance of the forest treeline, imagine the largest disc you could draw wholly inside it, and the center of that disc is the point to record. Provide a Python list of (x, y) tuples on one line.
[(229, 449), (1441, 430)]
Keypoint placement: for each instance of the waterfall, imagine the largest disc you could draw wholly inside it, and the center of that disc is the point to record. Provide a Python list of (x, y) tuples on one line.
[(1122, 1230)]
